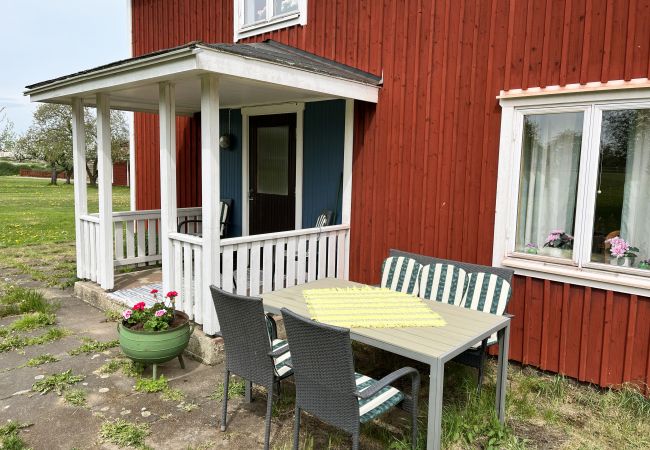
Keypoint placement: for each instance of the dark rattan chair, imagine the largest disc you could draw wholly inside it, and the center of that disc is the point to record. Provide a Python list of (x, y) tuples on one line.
[(328, 387), (473, 357), (253, 351)]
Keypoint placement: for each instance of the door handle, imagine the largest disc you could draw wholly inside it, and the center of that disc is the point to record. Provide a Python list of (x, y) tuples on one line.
[(251, 195)]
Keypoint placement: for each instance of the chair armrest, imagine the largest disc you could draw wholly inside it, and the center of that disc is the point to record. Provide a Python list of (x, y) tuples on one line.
[(278, 352), (390, 378)]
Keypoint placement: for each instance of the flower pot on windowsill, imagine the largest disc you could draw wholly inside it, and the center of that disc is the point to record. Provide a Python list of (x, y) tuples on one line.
[(556, 252), (623, 261)]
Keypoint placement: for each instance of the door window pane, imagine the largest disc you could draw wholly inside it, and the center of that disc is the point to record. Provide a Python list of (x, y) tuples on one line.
[(622, 215), (273, 160), (254, 11), (281, 7), (548, 184)]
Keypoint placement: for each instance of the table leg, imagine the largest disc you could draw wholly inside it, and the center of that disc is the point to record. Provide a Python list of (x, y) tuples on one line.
[(434, 418), (503, 337)]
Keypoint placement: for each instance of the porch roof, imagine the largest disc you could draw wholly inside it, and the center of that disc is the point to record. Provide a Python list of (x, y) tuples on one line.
[(251, 74)]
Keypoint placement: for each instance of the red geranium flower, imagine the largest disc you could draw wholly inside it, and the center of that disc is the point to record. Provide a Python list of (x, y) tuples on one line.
[(139, 306), (154, 291), (172, 294)]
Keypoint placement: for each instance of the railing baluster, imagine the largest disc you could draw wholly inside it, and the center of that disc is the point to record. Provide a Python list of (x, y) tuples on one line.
[(226, 279), (187, 280), (130, 239), (178, 267), (291, 261), (301, 270), (141, 239), (198, 284), (93, 251), (280, 258), (312, 257), (340, 254), (268, 266), (151, 238), (322, 256), (242, 269), (331, 254), (118, 237), (255, 269)]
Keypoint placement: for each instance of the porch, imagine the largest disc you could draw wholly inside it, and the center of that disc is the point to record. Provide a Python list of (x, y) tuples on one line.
[(256, 79)]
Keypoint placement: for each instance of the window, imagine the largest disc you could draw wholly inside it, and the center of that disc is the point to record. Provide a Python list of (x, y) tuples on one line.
[(260, 16), (573, 196)]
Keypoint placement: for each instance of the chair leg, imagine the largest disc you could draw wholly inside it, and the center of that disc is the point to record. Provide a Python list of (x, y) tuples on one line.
[(248, 391), (296, 429), (481, 367), (355, 441), (225, 400), (414, 428), (267, 431)]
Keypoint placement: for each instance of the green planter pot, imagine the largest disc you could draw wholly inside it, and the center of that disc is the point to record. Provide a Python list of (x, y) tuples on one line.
[(155, 347)]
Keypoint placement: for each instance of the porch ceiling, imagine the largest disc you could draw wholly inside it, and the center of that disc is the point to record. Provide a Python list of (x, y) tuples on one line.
[(250, 74)]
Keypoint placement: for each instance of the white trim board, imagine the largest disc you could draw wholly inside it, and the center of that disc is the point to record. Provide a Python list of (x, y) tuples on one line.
[(241, 31), (284, 108)]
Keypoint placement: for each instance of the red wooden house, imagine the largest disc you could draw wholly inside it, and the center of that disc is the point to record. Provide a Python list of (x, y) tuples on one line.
[(500, 132)]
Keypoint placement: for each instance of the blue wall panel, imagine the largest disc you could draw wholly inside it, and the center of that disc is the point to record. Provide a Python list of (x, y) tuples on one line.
[(231, 167), (324, 130)]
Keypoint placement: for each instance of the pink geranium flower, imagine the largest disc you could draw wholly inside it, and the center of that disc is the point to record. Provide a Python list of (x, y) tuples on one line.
[(160, 312), (127, 314)]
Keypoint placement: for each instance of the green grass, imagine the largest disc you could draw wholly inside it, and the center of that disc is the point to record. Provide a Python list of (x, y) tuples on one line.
[(41, 359), (9, 437), (16, 342), (126, 366), (18, 300), (54, 264), (28, 322), (57, 382), (151, 385), (124, 434), (8, 167), (34, 212), (236, 388), (75, 397), (93, 346)]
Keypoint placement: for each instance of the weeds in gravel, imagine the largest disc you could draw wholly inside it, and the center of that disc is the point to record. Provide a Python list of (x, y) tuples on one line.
[(126, 366), (93, 346), (125, 434), (150, 385), (75, 397), (28, 322), (57, 382), (9, 437), (15, 342), (112, 315), (172, 395), (18, 300), (236, 388), (40, 360)]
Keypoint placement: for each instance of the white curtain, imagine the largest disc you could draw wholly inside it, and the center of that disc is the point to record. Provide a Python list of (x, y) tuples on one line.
[(635, 221), (549, 176)]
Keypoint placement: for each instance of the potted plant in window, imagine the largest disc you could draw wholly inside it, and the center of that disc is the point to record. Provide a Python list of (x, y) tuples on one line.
[(156, 334), (558, 244), (623, 253)]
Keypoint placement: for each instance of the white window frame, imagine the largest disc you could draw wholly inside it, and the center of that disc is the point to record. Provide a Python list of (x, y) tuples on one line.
[(579, 270), (270, 24)]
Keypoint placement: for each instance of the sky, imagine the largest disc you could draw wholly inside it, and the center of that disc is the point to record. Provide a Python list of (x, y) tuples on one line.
[(44, 39)]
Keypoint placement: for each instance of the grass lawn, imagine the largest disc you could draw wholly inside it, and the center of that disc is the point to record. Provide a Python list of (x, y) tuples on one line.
[(34, 212)]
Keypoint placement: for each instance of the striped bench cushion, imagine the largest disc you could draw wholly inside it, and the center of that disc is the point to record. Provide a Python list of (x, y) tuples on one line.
[(382, 401), (444, 283), (401, 274), (283, 362), (488, 293)]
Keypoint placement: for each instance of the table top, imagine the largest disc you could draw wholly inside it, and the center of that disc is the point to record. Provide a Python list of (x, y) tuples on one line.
[(464, 327)]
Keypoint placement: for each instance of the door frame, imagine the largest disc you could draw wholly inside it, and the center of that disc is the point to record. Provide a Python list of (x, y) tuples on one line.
[(284, 108)]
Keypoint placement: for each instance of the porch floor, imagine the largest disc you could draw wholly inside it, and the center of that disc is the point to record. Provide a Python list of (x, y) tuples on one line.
[(134, 287)]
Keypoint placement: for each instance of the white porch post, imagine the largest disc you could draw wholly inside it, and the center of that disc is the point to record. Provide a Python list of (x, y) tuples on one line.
[(168, 210), (210, 194), (346, 203), (80, 186), (105, 172)]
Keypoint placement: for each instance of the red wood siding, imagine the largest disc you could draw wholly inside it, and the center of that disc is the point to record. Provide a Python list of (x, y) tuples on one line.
[(425, 157)]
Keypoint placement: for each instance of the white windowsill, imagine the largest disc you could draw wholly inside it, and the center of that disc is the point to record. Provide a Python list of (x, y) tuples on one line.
[(284, 21), (599, 279)]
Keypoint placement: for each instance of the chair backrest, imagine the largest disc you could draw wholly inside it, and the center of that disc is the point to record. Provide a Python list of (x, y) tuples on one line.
[(324, 219), (245, 335), (487, 292), (323, 370), (504, 273), (443, 282), (401, 274), (224, 214)]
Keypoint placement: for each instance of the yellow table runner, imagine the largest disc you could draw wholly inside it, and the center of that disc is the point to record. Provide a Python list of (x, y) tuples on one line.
[(369, 307)]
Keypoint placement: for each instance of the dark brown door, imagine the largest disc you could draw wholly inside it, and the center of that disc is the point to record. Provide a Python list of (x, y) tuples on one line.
[(272, 196)]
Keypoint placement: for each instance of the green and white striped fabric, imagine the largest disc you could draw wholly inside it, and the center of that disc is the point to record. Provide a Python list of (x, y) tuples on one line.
[(382, 401), (444, 283), (488, 293), (401, 274), (283, 362)]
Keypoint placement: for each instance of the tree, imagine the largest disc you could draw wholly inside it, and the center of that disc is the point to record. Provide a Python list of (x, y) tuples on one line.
[(49, 138), (7, 134)]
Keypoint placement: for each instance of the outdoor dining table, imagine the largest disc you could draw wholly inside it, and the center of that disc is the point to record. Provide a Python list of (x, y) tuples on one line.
[(430, 345)]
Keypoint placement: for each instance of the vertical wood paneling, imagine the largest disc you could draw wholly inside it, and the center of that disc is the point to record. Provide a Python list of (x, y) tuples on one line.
[(425, 157)]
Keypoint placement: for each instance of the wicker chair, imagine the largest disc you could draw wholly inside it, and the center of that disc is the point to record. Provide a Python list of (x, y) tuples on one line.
[(253, 351), (328, 387), (475, 356)]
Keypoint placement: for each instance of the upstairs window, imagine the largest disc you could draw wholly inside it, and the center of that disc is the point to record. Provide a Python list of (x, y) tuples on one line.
[(261, 16), (573, 198)]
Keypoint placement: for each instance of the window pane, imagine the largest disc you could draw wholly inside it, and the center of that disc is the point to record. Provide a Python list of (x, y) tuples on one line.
[(254, 11), (548, 184), (622, 217), (273, 160), (284, 7)]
